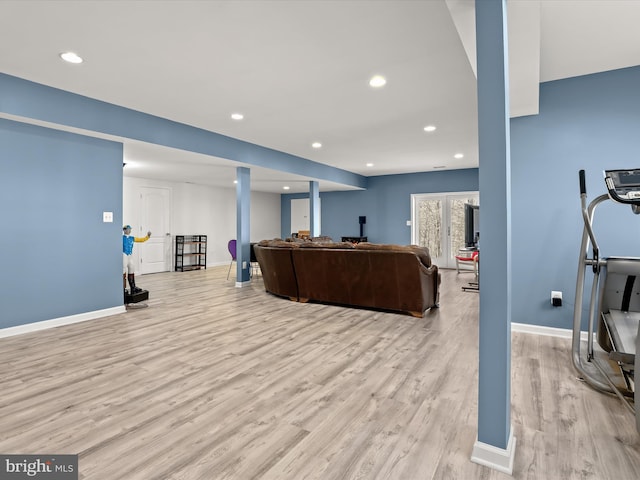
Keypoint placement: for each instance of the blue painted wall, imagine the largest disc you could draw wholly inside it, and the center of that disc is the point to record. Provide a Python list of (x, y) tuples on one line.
[(592, 123), (386, 203), (58, 257)]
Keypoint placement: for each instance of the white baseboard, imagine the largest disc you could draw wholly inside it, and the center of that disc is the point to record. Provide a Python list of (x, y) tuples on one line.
[(57, 322), (243, 284), (540, 330), (493, 457), (547, 331)]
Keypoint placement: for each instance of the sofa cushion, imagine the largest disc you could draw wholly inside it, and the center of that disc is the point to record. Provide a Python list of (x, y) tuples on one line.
[(265, 243), (382, 246), (315, 244), (298, 239), (322, 239), (278, 243), (373, 246), (421, 252)]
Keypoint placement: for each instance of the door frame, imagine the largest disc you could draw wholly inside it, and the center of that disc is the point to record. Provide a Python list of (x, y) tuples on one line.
[(302, 206), (446, 260)]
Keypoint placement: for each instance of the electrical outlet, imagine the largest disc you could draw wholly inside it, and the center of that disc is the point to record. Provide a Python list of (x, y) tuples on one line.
[(556, 298)]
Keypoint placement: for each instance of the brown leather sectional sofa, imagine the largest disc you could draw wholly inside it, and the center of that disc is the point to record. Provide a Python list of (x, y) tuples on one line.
[(386, 277)]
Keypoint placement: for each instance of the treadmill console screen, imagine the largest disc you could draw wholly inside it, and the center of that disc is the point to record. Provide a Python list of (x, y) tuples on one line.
[(623, 185), (629, 178)]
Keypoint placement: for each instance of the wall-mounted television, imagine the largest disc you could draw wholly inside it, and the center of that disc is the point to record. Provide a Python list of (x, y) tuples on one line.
[(471, 225)]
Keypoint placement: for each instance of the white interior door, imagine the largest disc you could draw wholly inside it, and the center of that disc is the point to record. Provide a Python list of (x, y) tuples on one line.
[(300, 214), (437, 222), (155, 254)]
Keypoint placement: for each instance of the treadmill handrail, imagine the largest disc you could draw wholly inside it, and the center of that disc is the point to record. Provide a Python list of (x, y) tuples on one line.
[(583, 261)]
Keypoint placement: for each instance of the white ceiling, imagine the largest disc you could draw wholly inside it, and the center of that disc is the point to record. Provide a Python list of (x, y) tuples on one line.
[(298, 70)]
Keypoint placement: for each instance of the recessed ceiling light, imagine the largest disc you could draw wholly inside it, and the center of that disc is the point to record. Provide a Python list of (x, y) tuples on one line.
[(286, 187), (237, 116), (316, 145), (377, 81), (369, 164), (429, 128), (235, 181), (71, 57), (458, 155)]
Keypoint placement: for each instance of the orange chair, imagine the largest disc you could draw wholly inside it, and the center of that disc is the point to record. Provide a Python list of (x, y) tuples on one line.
[(467, 259)]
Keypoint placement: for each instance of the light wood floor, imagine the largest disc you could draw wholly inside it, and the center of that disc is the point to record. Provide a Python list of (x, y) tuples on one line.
[(216, 382)]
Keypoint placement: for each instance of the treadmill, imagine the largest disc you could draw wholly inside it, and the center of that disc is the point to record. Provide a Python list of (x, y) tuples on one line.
[(614, 301)]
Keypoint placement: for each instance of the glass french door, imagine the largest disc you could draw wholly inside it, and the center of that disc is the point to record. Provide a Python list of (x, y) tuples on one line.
[(437, 222)]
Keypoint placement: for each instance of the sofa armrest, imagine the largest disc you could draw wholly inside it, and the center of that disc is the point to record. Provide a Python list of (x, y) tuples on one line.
[(430, 282)]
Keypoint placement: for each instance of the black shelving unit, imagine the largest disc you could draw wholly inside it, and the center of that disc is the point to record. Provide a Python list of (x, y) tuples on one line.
[(191, 252)]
